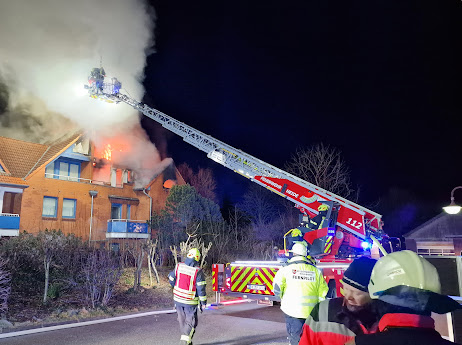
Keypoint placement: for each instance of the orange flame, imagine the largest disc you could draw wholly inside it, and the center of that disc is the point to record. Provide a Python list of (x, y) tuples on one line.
[(107, 152), (112, 149)]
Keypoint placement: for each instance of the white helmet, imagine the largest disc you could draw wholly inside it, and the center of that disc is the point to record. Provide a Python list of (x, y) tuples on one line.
[(403, 268), (299, 249)]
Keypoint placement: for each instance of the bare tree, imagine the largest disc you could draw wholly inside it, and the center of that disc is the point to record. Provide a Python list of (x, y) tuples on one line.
[(152, 256), (51, 243), (204, 182), (323, 166), (101, 271), (196, 243), (191, 242), (138, 251), (186, 172), (174, 251), (264, 209)]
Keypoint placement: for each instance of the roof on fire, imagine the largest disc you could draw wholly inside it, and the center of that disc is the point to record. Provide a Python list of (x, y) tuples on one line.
[(19, 160)]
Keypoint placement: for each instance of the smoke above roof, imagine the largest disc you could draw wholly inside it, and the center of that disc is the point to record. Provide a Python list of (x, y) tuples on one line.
[(48, 48)]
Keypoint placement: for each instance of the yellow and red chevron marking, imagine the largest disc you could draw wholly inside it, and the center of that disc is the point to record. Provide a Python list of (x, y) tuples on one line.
[(214, 278), (243, 277), (329, 242)]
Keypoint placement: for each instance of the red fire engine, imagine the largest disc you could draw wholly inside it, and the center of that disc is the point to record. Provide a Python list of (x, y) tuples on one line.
[(344, 231)]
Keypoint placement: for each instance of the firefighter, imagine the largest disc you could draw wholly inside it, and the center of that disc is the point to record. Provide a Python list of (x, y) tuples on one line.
[(296, 236), (315, 223), (410, 287), (300, 286), (97, 76), (337, 320), (188, 283)]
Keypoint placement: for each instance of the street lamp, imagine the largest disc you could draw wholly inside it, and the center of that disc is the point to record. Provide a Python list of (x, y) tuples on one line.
[(92, 193), (453, 208)]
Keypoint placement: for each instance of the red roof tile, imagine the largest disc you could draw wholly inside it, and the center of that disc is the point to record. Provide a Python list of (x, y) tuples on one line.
[(22, 158), (9, 180)]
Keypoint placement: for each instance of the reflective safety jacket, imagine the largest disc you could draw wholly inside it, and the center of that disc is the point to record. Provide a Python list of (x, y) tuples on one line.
[(300, 285), (402, 329), (188, 283), (331, 323)]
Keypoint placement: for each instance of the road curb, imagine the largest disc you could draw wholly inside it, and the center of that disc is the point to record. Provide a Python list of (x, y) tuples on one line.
[(83, 323)]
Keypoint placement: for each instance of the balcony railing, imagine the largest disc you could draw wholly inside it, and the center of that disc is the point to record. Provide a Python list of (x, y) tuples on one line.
[(125, 228), (9, 221), (82, 180)]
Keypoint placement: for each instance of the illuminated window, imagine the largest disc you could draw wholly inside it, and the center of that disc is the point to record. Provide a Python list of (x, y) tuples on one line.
[(50, 206), (69, 206)]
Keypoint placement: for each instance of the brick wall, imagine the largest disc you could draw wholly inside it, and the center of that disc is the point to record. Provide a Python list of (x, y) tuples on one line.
[(39, 186)]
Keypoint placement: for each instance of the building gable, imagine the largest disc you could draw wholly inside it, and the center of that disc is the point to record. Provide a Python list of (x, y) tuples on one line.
[(80, 150), (52, 152), (443, 226)]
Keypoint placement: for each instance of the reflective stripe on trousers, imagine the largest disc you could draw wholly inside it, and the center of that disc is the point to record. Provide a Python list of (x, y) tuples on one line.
[(187, 317)]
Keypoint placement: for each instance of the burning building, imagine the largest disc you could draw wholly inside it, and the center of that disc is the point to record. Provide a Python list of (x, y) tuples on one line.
[(91, 189)]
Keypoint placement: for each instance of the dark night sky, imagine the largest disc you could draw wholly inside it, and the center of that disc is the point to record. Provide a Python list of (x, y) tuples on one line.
[(379, 80)]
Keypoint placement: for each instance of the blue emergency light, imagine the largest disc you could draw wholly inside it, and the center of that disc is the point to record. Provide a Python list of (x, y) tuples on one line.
[(366, 245)]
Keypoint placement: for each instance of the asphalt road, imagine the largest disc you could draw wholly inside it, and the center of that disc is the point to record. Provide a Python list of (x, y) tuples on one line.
[(242, 324)]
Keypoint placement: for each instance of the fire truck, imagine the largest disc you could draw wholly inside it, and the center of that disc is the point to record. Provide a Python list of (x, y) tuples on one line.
[(344, 231)]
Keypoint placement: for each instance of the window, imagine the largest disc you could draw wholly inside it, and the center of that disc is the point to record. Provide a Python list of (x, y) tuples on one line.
[(74, 172), (116, 211), (11, 203), (50, 170), (129, 207), (69, 208), (50, 206), (435, 251), (64, 170), (68, 171)]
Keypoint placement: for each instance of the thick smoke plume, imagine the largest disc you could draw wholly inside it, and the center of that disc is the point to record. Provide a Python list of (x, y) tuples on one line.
[(47, 49)]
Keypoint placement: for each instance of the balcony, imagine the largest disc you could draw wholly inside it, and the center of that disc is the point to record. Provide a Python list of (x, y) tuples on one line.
[(85, 180), (125, 228), (9, 224)]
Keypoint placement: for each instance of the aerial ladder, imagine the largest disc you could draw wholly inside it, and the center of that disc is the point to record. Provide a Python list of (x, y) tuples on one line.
[(345, 230)]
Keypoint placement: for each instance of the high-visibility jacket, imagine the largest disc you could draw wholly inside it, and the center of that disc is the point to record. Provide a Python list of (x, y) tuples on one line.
[(300, 286), (331, 323), (401, 329), (188, 283)]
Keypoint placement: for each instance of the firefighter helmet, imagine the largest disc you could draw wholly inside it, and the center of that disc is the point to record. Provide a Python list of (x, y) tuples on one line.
[(299, 249), (296, 232), (323, 207), (195, 254), (403, 268)]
